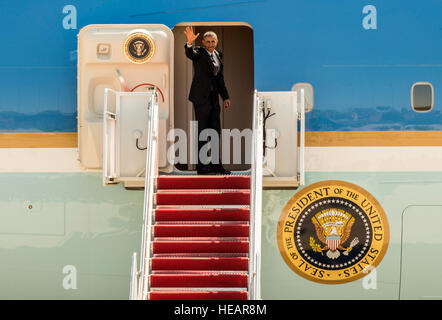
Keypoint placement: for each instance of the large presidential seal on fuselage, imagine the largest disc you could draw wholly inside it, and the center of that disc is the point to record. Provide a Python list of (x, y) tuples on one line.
[(333, 232)]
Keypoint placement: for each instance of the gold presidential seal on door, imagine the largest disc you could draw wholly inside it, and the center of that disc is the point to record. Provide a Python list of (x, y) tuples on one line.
[(139, 47), (333, 232)]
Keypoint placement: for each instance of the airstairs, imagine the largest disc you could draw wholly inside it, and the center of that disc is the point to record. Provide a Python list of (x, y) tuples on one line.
[(199, 238)]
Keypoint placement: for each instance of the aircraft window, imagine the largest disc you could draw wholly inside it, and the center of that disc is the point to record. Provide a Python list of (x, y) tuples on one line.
[(422, 96)]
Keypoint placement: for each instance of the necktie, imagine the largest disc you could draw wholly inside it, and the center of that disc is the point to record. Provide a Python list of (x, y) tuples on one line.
[(215, 66)]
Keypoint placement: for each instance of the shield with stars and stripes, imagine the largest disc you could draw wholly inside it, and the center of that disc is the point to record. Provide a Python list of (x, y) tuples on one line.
[(333, 242)]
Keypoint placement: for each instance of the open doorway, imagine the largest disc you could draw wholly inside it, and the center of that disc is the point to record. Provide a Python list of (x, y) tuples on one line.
[(236, 44)]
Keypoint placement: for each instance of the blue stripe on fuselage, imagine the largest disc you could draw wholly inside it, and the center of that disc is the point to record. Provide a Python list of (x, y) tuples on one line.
[(362, 78)]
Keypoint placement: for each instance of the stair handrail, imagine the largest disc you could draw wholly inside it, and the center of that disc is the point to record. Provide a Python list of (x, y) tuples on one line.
[(151, 174), (133, 295), (254, 283)]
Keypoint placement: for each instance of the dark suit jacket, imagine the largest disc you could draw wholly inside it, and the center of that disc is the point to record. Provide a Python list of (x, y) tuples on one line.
[(203, 79)]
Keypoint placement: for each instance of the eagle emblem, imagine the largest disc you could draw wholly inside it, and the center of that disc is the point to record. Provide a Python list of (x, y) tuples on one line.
[(139, 47), (333, 229), (325, 233)]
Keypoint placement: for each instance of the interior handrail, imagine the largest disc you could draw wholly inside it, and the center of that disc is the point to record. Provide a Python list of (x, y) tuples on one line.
[(254, 289), (151, 174), (302, 139)]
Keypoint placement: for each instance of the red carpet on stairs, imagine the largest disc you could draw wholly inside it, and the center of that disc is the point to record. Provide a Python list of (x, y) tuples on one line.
[(198, 295), (200, 239), (203, 182), (193, 245), (212, 229), (200, 263), (198, 214), (201, 280), (202, 197)]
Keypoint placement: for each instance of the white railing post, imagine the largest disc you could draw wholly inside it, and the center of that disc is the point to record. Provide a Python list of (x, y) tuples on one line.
[(133, 295), (258, 202), (151, 173), (109, 140), (252, 201), (253, 290)]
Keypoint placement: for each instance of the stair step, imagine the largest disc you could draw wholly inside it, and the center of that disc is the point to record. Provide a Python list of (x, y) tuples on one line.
[(204, 206), (200, 222), (200, 255), (199, 272), (203, 182), (202, 197), (198, 280), (190, 289), (200, 263), (198, 295), (195, 214), (200, 246), (201, 230)]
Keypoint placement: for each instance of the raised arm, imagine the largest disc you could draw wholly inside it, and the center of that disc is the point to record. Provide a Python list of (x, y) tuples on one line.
[(190, 35), (190, 51)]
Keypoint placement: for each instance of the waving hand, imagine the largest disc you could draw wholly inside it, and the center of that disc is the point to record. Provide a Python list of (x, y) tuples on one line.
[(190, 34)]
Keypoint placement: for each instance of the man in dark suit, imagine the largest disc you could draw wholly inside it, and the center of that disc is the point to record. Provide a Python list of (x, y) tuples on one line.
[(207, 84)]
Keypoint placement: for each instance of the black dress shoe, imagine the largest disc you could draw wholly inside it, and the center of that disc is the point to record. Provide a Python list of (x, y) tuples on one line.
[(204, 170), (220, 170)]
